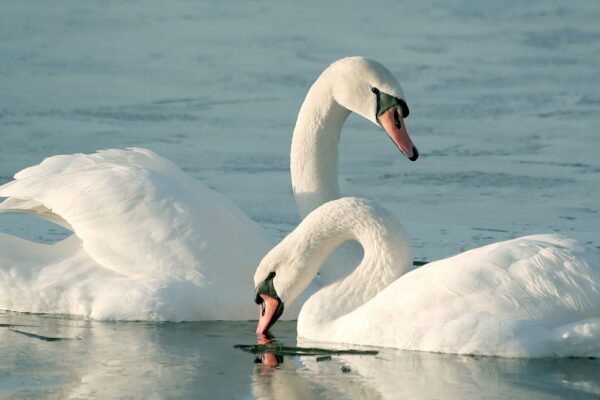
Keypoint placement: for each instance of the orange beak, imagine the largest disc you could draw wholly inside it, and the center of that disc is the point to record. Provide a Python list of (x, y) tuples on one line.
[(394, 125), (270, 310)]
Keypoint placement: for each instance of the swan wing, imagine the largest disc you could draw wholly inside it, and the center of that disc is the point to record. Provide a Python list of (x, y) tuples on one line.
[(136, 212)]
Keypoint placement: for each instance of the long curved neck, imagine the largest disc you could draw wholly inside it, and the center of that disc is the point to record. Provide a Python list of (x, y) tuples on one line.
[(386, 255), (313, 158)]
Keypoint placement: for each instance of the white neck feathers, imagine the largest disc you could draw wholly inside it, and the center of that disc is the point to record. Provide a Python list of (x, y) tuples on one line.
[(386, 254), (313, 158)]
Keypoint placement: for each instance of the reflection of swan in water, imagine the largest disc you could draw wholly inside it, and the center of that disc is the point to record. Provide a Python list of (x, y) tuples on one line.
[(150, 242), (397, 374), (133, 360), (535, 296), (283, 377), (93, 360), (166, 360)]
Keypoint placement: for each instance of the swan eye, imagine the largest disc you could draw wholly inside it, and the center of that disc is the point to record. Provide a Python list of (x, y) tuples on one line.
[(271, 275), (375, 90), (397, 119)]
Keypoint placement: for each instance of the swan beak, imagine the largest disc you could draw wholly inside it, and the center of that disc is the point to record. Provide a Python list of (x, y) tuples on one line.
[(267, 359), (394, 125), (270, 309)]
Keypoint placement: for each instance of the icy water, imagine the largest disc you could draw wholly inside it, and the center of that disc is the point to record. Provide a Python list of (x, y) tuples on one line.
[(505, 109), (198, 360)]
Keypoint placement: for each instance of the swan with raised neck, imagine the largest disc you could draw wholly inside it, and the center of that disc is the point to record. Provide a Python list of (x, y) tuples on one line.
[(145, 227), (534, 296), (353, 84)]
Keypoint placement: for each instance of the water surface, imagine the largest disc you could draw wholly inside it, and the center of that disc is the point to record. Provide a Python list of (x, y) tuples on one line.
[(505, 109), (198, 360)]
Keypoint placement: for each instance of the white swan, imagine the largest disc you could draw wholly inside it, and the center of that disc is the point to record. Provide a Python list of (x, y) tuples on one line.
[(534, 296), (353, 84), (151, 242)]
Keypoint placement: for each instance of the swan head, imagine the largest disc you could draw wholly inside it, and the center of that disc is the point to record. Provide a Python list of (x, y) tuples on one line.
[(269, 303), (280, 278), (367, 88)]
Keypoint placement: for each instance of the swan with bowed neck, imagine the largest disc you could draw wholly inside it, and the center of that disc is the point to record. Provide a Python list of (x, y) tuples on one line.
[(535, 296), (150, 242)]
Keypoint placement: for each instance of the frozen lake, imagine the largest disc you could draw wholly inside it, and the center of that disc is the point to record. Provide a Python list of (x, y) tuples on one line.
[(504, 98)]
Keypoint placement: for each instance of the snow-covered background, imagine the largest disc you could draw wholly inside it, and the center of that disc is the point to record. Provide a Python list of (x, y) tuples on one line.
[(504, 97)]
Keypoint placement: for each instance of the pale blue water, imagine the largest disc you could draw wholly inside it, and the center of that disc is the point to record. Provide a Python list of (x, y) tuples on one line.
[(198, 360), (505, 109)]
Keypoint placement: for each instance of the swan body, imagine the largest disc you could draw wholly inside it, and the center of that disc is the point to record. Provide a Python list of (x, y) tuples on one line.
[(150, 242), (535, 296)]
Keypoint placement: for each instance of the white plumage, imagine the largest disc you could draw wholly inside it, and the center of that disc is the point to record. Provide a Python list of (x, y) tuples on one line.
[(535, 296), (150, 242)]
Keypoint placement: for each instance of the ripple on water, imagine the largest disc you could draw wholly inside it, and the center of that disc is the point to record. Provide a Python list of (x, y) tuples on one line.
[(472, 179)]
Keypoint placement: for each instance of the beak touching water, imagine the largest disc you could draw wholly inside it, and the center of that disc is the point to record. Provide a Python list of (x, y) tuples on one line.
[(270, 309), (394, 125)]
